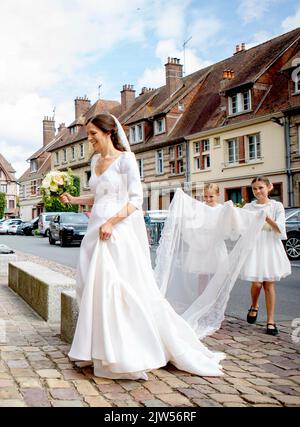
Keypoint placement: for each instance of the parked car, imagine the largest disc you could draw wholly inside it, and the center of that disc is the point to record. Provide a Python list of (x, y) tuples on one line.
[(292, 244), (44, 221), (67, 227), (12, 227), (5, 224), (155, 221), (27, 228)]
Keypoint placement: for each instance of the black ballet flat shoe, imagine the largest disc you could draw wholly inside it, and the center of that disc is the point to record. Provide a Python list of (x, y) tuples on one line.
[(252, 319), (272, 331)]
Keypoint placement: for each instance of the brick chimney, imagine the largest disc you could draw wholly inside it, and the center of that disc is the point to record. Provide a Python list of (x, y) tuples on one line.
[(82, 105), (61, 127), (240, 48), (48, 130), (173, 74), (227, 75), (127, 97)]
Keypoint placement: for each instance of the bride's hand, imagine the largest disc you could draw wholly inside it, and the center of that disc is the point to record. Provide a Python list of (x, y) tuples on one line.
[(105, 231), (66, 198)]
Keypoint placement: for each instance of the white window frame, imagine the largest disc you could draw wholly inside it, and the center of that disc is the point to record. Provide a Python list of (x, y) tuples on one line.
[(240, 98), (197, 147), (179, 151), (159, 126), (141, 167), (33, 166), (81, 148), (297, 84), (56, 157), (159, 162), (235, 150), (171, 153), (73, 151), (172, 167), (135, 135), (180, 166), (257, 146), (65, 155), (197, 163)]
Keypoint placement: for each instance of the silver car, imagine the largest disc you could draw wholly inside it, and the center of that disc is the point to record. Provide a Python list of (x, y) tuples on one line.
[(292, 244), (44, 221), (5, 225)]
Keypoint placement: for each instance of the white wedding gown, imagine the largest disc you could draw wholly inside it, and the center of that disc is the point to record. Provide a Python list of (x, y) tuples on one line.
[(125, 325)]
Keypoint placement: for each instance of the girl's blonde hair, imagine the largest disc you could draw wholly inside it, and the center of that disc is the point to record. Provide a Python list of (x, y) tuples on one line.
[(214, 187)]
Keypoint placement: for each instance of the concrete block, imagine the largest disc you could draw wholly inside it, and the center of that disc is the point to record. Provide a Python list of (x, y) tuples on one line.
[(5, 259), (69, 315), (40, 287)]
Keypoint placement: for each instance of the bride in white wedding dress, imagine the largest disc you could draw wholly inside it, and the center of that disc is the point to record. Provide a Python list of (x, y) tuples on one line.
[(125, 325)]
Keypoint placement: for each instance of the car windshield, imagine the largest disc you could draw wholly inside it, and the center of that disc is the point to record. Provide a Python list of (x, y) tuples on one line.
[(74, 219), (290, 212), (49, 217)]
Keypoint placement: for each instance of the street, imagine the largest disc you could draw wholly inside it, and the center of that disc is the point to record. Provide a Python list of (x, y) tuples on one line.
[(288, 290)]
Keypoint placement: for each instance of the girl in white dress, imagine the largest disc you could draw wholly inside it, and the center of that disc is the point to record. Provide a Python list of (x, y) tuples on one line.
[(267, 261), (125, 326)]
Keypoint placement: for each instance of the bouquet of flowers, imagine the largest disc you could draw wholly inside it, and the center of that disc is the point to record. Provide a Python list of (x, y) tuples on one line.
[(55, 184)]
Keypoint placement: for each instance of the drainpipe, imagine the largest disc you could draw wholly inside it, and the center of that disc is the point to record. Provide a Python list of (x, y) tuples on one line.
[(287, 143), (188, 166)]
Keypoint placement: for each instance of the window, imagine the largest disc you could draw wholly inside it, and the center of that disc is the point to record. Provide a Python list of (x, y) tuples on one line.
[(172, 168), (136, 134), (3, 188), (202, 155), (64, 154), (240, 102), (87, 178), (159, 126), (73, 153), (197, 148), (141, 167), (159, 162), (73, 130), (33, 188), (171, 153), (180, 150), (205, 145), (298, 128), (233, 151), (297, 83), (180, 166), (11, 204), (197, 164), (81, 150), (33, 166), (57, 157), (254, 147)]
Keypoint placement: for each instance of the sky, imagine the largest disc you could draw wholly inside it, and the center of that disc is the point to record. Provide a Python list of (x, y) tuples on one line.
[(55, 50)]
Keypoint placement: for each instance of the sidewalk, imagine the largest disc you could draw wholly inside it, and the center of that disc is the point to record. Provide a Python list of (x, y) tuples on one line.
[(260, 370)]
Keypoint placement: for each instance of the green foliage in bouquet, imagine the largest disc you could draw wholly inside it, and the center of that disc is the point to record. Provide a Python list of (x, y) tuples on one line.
[(241, 204), (2, 204), (54, 185)]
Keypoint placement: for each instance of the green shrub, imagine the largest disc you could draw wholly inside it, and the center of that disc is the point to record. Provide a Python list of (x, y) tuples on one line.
[(2, 204)]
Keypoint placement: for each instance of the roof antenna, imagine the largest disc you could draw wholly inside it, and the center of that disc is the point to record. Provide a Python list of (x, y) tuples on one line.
[(99, 87), (184, 45)]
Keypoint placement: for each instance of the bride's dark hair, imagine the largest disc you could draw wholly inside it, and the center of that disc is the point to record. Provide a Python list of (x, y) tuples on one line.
[(107, 124)]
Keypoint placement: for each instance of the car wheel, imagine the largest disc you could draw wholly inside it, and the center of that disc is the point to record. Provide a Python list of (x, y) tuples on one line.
[(46, 233), (292, 247), (62, 242), (51, 241)]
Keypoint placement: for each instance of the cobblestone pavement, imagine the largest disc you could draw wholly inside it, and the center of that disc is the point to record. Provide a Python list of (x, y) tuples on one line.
[(260, 370)]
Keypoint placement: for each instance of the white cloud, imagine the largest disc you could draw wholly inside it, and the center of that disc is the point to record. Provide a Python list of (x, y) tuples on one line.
[(258, 38), (252, 10), (291, 22)]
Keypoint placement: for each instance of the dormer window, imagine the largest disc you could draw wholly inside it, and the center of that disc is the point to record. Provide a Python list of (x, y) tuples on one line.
[(240, 102), (159, 126), (136, 133), (33, 166), (296, 80), (73, 130)]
